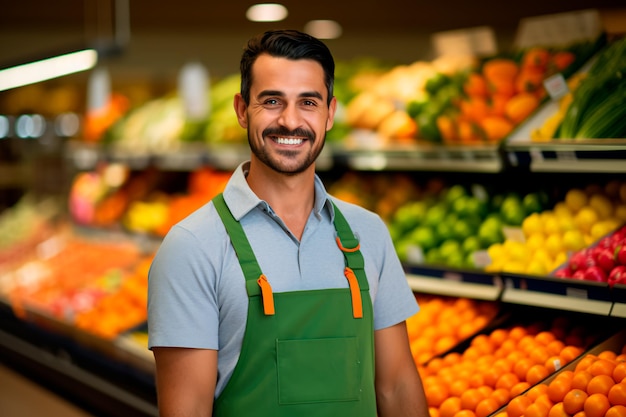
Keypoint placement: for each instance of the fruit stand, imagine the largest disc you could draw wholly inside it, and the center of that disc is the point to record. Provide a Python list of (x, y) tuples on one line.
[(497, 215)]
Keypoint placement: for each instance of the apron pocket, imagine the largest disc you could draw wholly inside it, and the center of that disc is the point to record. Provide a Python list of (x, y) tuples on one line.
[(318, 370)]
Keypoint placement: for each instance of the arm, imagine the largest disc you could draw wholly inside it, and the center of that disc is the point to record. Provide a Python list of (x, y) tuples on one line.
[(399, 390), (185, 380)]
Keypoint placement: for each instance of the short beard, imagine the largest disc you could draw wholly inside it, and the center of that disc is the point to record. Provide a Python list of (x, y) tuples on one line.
[(275, 165)]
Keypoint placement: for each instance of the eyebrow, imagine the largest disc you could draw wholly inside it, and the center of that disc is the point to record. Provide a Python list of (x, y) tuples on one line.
[(266, 93)]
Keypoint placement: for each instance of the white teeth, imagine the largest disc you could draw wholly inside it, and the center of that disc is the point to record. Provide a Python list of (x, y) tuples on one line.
[(288, 141)]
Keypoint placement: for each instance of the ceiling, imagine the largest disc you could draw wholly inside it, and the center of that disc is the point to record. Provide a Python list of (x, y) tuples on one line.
[(166, 33), (354, 16)]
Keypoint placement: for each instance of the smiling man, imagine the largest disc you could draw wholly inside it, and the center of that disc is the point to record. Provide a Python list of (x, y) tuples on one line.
[(276, 299)]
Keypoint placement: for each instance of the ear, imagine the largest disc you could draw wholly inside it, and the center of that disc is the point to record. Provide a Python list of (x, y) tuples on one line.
[(240, 110), (332, 107)]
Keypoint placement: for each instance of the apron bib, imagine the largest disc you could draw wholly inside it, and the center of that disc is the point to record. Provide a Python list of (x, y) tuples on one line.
[(304, 353)]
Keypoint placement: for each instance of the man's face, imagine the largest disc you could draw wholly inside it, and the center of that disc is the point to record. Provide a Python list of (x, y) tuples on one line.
[(287, 118)]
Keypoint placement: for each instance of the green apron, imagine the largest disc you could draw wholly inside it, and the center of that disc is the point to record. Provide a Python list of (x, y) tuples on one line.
[(304, 353)]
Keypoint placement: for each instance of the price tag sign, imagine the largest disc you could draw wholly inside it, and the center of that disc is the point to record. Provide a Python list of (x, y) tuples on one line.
[(193, 83), (556, 86), (558, 29), (474, 41)]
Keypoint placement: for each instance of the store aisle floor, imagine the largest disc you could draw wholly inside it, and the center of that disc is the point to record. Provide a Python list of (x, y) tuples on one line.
[(20, 397)]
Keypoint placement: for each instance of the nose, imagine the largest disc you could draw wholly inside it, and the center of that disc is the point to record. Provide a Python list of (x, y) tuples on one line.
[(289, 117)]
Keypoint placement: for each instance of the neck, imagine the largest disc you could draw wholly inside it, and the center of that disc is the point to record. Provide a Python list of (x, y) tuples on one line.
[(290, 196)]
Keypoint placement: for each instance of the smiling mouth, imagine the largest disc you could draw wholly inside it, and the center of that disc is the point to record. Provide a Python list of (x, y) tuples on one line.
[(288, 141)]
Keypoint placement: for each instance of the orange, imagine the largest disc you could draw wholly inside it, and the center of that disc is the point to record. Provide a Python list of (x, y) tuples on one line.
[(517, 332), (619, 373), (585, 362), (537, 410), (537, 391), (458, 387), (465, 413), (602, 367), (569, 353), (607, 354), (553, 363), (519, 388), (518, 405), (596, 405), (521, 368), (574, 401), (557, 411), (558, 388), (433, 412), (555, 347), (501, 395), (581, 380), (600, 384), (539, 354), (544, 399), (507, 380), (471, 398), (449, 407), (617, 394), (545, 337), (616, 411), (486, 407), (435, 394), (536, 373)]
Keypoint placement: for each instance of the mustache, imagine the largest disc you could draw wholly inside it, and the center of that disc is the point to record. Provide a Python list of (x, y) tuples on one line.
[(284, 132)]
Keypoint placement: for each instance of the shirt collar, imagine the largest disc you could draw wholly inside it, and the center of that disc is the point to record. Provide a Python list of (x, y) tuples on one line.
[(241, 199)]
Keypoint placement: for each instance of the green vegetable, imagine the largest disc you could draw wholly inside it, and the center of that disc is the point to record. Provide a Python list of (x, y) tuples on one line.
[(597, 108)]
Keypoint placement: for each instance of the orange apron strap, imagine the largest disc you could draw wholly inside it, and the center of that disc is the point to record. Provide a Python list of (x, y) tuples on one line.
[(355, 293), (267, 295)]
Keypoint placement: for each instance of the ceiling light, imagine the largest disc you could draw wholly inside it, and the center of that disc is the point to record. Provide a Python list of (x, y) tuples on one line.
[(267, 12), (323, 29), (48, 68)]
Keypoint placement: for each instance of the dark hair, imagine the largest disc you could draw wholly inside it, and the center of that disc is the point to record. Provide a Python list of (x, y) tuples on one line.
[(290, 44)]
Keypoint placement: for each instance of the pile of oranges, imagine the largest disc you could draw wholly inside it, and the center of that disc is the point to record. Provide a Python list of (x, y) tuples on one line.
[(498, 367), (443, 322), (596, 387)]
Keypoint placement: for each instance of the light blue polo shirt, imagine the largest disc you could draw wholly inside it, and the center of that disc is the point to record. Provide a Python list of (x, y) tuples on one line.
[(196, 288)]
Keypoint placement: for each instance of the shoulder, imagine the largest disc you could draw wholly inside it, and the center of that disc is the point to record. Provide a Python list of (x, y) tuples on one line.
[(357, 215)]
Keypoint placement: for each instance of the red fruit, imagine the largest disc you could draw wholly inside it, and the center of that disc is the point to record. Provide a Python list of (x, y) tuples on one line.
[(606, 260), (620, 254), (617, 275), (563, 273), (595, 273), (577, 261), (579, 274)]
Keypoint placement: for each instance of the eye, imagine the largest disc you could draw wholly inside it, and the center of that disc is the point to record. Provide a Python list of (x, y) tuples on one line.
[(271, 102), (309, 102)]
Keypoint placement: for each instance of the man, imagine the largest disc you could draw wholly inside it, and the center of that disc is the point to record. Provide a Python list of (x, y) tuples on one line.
[(277, 299)]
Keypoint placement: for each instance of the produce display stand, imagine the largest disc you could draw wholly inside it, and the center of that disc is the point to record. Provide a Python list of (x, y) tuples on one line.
[(97, 375)]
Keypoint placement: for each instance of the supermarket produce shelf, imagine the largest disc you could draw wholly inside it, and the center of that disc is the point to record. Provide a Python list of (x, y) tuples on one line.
[(422, 157), (459, 283), (84, 375), (591, 155)]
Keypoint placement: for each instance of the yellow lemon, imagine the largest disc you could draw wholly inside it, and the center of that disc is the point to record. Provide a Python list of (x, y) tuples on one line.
[(515, 267), (586, 218), (519, 252), (566, 223), (574, 240), (496, 251), (532, 225), (620, 212), (576, 199), (542, 256), (551, 225), (559, 260), (554, 244), (535, 241), (536, 268), (602, 205), (561, 210), (602, 228)]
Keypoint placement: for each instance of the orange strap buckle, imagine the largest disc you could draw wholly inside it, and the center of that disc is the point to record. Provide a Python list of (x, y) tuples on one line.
[(266, 294), (355, 293), (347, 249)]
